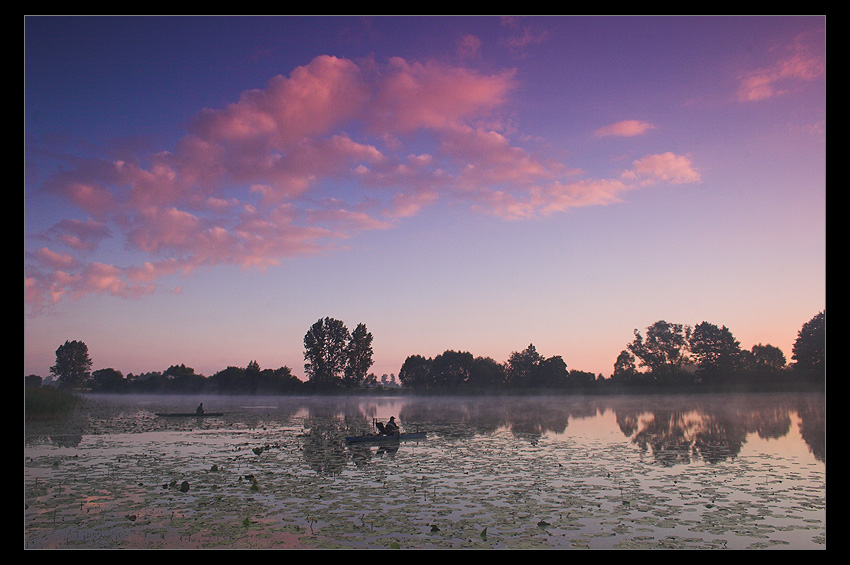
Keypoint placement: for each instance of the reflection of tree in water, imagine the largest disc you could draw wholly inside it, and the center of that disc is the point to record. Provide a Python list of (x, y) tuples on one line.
[(770, 422), (328, 423), (530, 420), (675, 428), (813, 426), (712, 433), (324, 445), (526, 417), (456, 418), (361, 454), (628, 422), (665, 434), (719, 438), (67, 440), (716, 430), (58, 439)]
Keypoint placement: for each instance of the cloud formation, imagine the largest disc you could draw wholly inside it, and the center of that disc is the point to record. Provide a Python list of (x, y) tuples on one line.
[(626, 128), (803, 63), (336, 148)]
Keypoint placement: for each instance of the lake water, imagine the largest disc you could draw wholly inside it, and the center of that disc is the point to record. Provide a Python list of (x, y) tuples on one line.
[(598, 472)]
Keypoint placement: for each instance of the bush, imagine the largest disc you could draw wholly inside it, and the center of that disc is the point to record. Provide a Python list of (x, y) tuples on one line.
[(48, 402)]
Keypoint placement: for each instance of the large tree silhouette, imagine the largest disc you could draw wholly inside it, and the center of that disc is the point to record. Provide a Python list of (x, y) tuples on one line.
[(73, 365), (809, 351)]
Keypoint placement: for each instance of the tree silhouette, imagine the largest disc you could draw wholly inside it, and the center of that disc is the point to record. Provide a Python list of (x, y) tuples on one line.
[(715, 351), (73, 365), (359, 356), (809, 351), (415, 373), (664, 351)]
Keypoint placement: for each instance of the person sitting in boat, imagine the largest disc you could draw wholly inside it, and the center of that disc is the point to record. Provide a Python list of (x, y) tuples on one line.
[(200, 408), (390, 428)]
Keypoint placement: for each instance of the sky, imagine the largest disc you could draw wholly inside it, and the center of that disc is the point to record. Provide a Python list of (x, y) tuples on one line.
[(201, 190)]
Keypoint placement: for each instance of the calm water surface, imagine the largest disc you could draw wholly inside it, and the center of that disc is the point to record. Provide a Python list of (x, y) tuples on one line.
[(681, 472)]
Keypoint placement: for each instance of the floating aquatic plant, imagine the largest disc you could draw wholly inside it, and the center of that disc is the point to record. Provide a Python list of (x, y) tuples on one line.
[(316, 492)]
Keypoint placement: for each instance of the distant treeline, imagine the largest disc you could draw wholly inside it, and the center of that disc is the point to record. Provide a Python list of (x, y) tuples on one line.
[(667, 356)]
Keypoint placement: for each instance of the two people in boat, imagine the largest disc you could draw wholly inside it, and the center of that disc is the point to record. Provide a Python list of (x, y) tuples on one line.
[(390, 428)]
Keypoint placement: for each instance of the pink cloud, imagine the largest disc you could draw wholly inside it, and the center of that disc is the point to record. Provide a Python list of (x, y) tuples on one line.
[(351, 221), (507, 205), (108, 279), (55, 260), (405, 205), (803, 64), (40, 291), (94, 278), (311, 160), (156, 229), (597, 192), (97, 200), (626, 128), (313, 100), (557, 197), (79, 235), (33, 294), (530, 200), (411, 96), (151, 271), (666, 167), (495, 159)]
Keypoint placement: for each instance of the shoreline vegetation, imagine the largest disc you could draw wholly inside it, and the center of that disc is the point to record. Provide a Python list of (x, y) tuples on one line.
[(45, 403), (666, 358)]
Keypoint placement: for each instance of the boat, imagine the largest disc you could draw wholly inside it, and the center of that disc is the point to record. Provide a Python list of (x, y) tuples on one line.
[(189, 414), (380, 438), (384, 436)]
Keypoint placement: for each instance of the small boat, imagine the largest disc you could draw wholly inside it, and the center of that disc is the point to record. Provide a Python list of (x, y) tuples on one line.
[(189, 414), (379, 438), (384, 436)]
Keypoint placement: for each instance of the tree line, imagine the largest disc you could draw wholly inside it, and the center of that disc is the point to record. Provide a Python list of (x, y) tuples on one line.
[(667, 355)]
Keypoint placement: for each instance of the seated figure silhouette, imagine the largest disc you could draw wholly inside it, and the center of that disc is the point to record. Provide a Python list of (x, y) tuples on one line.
[(390, 429)]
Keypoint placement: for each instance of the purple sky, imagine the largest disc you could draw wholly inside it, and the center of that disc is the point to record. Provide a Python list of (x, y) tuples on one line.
[(202, 190)]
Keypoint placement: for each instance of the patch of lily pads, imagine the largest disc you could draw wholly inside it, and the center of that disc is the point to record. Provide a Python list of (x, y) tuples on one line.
[(282, 484)]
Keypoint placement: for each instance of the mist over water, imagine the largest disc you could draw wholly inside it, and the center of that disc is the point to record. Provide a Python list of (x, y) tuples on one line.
[(678, 471)]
